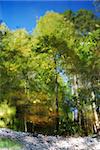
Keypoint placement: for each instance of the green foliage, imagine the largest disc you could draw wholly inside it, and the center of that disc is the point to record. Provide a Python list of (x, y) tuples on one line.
[(58, 62), (54, 28), (9, 144), (7, 114), (85, 21)]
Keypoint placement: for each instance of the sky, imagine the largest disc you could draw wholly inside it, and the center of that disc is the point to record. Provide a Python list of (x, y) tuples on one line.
[(23, 14)]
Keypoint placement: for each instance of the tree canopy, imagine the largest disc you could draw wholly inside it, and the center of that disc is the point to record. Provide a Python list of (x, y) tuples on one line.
[(51, 77)]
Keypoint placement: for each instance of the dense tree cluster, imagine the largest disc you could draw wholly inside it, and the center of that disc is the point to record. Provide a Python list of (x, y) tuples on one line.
[(50, 78)]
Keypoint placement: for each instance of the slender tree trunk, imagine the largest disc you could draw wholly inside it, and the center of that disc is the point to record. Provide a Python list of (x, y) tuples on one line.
[(25, 123), (75, 91), (57, 105), (75, 85), (56, 94), (95, 115), (83, 123), (80, 115)]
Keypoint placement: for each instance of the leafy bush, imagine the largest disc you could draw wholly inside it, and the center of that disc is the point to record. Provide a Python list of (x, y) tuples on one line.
[(7, 113)]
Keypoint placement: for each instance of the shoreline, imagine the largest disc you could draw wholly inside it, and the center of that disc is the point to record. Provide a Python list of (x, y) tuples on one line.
[(43, 142)]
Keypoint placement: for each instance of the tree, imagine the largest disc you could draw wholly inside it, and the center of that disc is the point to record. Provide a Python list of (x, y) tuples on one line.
[(84, 20), (56, 37), (52, 74), (88, 69)]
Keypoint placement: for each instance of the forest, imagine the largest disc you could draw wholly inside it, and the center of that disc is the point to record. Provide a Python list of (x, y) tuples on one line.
[(49, 79)]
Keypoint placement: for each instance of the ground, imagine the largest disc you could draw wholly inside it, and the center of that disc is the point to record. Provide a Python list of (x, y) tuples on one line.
[(43, 142)]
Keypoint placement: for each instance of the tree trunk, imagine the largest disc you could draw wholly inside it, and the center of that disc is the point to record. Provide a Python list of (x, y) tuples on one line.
[(75, 92), (25, 123), (57, 105), (75, 85), (95, 115), (56, 94)]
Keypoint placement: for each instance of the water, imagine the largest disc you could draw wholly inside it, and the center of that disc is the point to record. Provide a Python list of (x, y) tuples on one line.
[(36, 119), (9, 144)]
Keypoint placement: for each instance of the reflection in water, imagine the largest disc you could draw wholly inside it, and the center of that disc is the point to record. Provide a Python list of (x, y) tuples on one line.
[(36, 119), (6, 143)]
